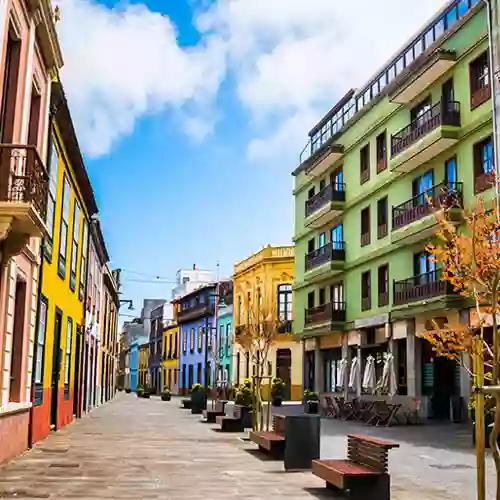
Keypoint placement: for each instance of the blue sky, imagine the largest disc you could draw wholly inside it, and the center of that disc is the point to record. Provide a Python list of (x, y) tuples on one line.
[(192, 121)]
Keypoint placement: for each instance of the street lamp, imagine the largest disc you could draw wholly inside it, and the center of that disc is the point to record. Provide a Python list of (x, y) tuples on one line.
[(126, 301)]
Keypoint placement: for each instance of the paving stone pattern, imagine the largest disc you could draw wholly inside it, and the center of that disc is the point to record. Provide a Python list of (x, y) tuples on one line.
[(144, 449)]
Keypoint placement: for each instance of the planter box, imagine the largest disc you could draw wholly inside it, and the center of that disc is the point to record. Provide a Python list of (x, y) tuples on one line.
[(311, 407), (246, 416), (128, 391), (277, 400), (198, 402), (166, 396)]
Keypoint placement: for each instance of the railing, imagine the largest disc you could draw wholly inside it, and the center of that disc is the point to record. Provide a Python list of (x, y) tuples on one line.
[(332, 192), (383, 299), (364, 175), (480, 89), (381, 164), (327, 253), (382, 231), (444, 195), (447, 113), (423, 286), (333, 311), (365, 239), (23, 177), (195, 311), (483, 182), (285, 326)]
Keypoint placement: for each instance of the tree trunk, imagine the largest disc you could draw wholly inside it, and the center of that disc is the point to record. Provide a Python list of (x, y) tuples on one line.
[(496, 379)]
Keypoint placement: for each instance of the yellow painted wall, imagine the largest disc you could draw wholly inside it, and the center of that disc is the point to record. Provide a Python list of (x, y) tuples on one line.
[(264, 271), (55, 288), (143, 379), (170, 335)]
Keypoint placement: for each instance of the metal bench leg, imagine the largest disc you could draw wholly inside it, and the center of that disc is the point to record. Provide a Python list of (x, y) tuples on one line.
[(374, 489)]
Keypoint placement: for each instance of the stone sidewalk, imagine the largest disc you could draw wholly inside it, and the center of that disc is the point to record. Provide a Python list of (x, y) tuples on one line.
[(144, 449)]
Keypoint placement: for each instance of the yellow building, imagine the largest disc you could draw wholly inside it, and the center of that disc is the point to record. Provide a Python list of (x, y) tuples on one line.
[(265, 278), (170, 358), (143, 365), (60, 314)]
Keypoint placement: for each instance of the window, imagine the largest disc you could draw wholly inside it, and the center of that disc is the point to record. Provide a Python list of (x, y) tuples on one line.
[(51, 201), (310, 245), (337, 296), (228, 335), (311, 192), (422, 188), (249, 311), (321, 240), (322, 297), (310, 300), (382, 217), (322, 184), (419, 114), (365, 226), (221, 338), (483, 165), (240, 310), (184, 342), (285, 302), (450, 173), (364, 164), (67, 360), (337, 179), (381, 152), (40, 349), (191, 339), (63, 237), (337, 237), (424, 267), (210, 333), (366, 292), (383, 285), (479, 74), (200, 339), (74, 245)]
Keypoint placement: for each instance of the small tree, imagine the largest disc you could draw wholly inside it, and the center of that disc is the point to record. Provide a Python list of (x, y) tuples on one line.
[(470, 258), (256, 337)]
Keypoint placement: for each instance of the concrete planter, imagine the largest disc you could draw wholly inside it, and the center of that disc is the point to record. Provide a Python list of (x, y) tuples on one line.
[(302, 438)]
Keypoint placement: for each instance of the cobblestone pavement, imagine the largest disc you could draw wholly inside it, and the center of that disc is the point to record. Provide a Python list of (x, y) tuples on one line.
[(145, 449)]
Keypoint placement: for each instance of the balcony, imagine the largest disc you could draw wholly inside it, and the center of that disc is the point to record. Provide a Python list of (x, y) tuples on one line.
[(418, 218), (23, 196), (425, 137), (333, 312), (195, 312), (285, 327), (422, 287), (421, 78), (483, 181), (329, 257), (324, 206), (323, 158)]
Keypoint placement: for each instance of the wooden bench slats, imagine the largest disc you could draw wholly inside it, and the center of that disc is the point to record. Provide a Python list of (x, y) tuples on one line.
[(379, 442)]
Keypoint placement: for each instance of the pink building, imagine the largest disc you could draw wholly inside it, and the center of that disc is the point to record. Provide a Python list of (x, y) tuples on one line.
[(30, 56)]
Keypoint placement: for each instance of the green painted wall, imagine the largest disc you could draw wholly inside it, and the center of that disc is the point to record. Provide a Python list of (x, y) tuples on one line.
[(468, 42)]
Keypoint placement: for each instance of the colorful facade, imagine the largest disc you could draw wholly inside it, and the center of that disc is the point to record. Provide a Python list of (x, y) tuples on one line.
[(60, 315), (27, 63), (157, 322), (364, 284), (109, 337), (134, 365), (170, 358), (143, 379), (225, 343), (266, 277)]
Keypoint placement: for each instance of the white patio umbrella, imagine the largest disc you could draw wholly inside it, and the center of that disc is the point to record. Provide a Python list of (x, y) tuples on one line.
[(369, 374), (389, 375), (342, 373), (354, 373)]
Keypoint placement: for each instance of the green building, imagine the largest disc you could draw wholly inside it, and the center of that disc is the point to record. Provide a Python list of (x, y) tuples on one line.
[(364, 284)]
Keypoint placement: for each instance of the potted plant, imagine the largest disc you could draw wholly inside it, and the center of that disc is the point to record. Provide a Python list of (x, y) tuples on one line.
[(277, 391), (146, 393), (198, 399), (311, 401), (244, 401), (165, 395), (128, 390), (139, 391)]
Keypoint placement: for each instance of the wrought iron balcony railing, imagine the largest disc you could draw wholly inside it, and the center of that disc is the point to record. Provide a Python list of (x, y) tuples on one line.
[(334, 251), (332, 192), (421, 287), (444, 195), (447, 113), (23, 177), (332, 311)]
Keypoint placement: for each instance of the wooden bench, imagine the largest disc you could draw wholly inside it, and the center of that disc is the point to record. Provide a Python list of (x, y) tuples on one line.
[(364, 473), (231, 423), (271, 441), (218, 410), (186, 403)]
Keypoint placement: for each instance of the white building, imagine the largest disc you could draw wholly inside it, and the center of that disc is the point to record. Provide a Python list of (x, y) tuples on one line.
[(190, 279)]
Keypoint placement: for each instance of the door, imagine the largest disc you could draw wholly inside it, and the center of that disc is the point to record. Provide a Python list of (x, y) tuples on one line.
[(422, 186), (190, 378), (284, 368), (336, 179), (448, 95), (337, 236), (321, 240), (56, 369), (76, 377)]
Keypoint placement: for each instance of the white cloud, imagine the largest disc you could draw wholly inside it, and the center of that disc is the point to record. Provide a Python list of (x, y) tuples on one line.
[(123, 63), (294, 58), (291, 60)]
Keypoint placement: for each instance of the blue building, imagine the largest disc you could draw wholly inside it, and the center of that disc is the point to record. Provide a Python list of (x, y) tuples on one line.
[(134, 365), (197, 335), (225, 339)]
